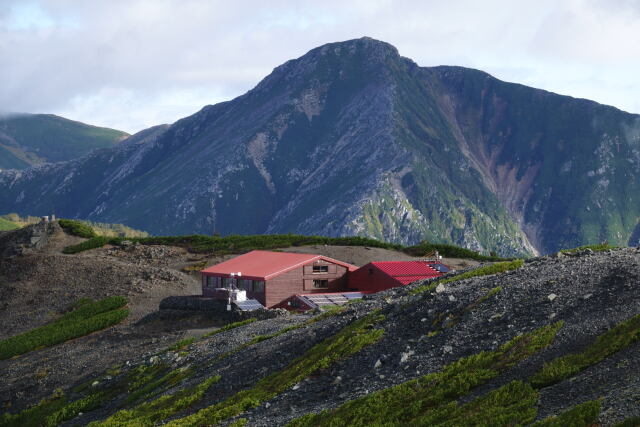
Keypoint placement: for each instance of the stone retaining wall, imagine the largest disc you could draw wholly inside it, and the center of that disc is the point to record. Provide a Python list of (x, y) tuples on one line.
[(198, 303)]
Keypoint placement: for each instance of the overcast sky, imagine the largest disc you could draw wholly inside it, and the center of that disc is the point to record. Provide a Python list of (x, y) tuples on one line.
[(131, 64)]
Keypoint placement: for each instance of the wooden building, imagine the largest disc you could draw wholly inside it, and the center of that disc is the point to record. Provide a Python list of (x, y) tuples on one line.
[(379, 276), (272, 277)]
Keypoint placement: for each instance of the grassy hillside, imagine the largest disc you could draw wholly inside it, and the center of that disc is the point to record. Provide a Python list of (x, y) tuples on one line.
[(30, 139), (7, 225)]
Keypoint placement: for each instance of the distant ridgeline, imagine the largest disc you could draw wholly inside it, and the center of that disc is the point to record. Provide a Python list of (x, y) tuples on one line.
[(33, 139), (354, 139)]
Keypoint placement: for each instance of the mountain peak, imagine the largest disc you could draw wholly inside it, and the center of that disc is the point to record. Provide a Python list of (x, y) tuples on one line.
[(354, 139)]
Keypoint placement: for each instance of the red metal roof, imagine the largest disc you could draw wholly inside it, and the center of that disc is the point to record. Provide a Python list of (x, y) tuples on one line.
[(263, 265), (407, 271)]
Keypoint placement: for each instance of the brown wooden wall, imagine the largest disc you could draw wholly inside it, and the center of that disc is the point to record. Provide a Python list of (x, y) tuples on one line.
[(370, 278), (300, 281)]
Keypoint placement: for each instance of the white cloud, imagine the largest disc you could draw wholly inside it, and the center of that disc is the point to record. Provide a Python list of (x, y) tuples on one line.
[(130, 64)]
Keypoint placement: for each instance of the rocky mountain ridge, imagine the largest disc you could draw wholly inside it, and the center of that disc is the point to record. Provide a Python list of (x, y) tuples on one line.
[(352, 138)]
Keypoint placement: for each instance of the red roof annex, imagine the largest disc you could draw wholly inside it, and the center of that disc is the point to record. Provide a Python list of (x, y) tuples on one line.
[(263, 265), (407, 271)]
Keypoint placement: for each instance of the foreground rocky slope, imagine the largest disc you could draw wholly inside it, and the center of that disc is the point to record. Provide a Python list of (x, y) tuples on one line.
[(271, 372), (352, 138)]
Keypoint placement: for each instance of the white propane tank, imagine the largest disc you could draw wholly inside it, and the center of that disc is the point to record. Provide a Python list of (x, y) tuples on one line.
[(239, 295)]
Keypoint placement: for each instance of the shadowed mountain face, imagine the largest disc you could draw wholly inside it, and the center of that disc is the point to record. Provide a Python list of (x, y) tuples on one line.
[(33, 139), (352, 138)]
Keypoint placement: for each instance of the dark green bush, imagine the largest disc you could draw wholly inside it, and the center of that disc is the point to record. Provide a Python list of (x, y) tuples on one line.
[(239, 244), (93, 243), (82, 321), (449, 251), (412, 402), (629, 422), (615, 339), (77, 228), (596, 248), (234, 244), (509, 405), (150, 413), (346, 342), (583, 415)]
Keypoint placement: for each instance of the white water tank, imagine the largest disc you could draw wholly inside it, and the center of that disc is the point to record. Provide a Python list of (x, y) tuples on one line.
[(238, 295)]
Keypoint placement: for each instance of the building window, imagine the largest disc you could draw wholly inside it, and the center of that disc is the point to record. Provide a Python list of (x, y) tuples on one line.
[(213, 282), (320, 268), (258, 286), (321, 284), (245, 284)]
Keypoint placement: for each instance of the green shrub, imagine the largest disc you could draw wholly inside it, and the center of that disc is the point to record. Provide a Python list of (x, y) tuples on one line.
[(50, 411), (34, 416), (234, 244), (240, 244), (509, 405), (151, 413), (596, 248), (449, 251), (114, 230), (87, 318), (71, 410), (582, 415), (346, 342), (499, 267), (629, 422), (141, 382), (153, 387), (88, 308), (612, 341), (407, 403), (77, 228), (93, 243)]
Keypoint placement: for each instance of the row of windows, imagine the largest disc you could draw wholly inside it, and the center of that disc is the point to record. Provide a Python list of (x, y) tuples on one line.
[(224, 282), (252, 285)]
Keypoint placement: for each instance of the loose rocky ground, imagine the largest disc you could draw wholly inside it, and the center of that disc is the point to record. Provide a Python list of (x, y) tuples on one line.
[(593, 292), (38, 282), (423, 332)]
